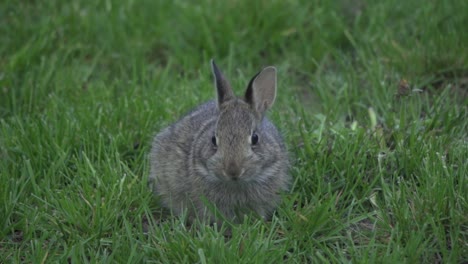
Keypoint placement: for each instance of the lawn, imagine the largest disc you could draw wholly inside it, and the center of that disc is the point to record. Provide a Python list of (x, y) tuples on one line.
[(372, 103)]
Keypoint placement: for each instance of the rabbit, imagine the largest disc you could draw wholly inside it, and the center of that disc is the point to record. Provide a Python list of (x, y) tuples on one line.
[(224, 153)]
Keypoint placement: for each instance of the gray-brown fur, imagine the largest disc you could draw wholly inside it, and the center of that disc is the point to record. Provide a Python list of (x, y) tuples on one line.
[(234, 175)]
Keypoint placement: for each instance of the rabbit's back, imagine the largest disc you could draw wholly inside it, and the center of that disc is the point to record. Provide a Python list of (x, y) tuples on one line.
[(170, 176)]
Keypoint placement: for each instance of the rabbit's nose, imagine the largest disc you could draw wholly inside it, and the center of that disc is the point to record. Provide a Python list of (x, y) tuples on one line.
[(233, 171)]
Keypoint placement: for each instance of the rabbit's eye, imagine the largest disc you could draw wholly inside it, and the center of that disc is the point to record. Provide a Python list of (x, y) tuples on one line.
[(254, 139), (213, 140)]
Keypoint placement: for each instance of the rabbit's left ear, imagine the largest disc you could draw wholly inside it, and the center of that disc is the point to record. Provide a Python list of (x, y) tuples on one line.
[(261, 91), (223, 88)]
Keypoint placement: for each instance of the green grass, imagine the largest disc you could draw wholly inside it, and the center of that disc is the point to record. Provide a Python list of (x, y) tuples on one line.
[(380, 172)]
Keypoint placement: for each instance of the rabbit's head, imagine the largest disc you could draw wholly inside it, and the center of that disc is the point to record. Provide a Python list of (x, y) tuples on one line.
[(242, 144)]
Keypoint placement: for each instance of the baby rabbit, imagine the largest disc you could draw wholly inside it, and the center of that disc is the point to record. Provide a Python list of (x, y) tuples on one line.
[(224, 153)]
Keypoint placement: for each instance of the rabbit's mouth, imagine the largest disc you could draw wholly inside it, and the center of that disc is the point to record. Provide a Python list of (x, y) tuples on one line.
[(233, 175), (230, 177)]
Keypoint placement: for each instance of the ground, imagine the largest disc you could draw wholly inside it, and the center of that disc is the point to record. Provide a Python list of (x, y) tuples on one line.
[(372, 102)]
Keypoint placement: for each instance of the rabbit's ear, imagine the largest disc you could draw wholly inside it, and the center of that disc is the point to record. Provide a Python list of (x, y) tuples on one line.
[(223, 87), (261, 91)]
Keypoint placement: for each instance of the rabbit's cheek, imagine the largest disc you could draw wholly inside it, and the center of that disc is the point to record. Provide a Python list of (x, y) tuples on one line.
[(212, 151), (253, 168), (214, 168)]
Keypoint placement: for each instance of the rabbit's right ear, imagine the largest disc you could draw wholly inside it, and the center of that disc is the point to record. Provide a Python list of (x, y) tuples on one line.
[(223, 87)]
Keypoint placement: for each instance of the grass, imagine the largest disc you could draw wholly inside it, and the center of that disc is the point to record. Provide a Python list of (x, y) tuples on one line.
[(380, 165)]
